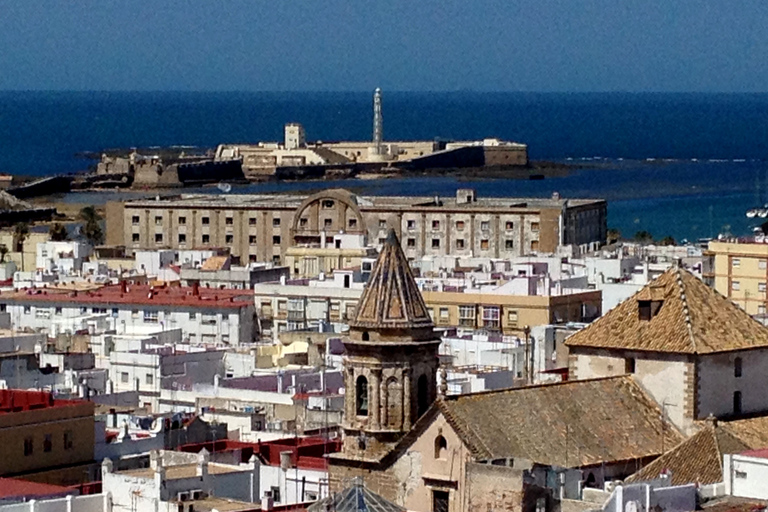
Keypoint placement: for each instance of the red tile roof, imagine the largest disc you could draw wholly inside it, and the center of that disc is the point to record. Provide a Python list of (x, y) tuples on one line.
[(15, 488), (136, 295), (17, 400)]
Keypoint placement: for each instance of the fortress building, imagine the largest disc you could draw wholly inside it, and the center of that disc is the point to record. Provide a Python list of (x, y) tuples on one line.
[(265, 227), (296, 157)]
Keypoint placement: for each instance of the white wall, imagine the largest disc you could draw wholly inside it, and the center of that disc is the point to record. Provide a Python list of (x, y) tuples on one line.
[(290, 483), (662, 376), (717, 382), (745, 476), (224, 326), (91, 503)]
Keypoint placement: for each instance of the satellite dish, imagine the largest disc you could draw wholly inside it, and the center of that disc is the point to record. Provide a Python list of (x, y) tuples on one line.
[(224, 187)]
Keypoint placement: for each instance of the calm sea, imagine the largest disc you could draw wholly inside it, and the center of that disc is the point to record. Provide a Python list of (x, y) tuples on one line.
[(686, 165)]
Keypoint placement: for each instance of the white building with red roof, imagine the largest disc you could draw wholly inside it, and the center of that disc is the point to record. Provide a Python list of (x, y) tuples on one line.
[(211, 317)]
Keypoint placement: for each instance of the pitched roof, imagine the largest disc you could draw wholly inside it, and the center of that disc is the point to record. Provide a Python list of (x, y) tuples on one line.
[(569, 424), (18, 488), (699, 459), (391, 299), (692, 319)]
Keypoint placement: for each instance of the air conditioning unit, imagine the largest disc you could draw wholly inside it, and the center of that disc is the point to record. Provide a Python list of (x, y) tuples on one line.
[(182, 496), (197, 494)]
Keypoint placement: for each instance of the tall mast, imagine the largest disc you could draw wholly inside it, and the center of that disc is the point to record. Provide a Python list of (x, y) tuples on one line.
[(378, 123)]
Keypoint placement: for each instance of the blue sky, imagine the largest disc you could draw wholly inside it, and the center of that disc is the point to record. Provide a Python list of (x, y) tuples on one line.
[(497, 45)]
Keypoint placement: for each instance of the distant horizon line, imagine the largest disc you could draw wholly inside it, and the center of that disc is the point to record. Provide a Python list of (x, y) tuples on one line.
[(385, 91)]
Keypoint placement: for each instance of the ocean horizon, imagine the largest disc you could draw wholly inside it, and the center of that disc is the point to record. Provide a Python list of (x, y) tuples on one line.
[(681, 164)]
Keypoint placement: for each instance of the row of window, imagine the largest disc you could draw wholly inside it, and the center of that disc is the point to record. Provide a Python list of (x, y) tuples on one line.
[(468, 315), (229, 221), (29, 443), (460, 224), (149, 379), (205, 239), (761, 264), (736, 286), (149, 316), (485, 244), (352, 223)]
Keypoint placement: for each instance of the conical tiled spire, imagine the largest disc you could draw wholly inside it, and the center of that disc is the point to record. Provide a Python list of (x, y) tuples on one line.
[(391, 299)]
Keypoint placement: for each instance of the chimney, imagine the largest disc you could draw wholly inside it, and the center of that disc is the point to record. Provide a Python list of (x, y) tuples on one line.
[(286, 460), (202, 463)]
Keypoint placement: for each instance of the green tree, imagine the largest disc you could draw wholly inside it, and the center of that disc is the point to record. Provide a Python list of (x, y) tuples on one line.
[(20, 234), (643, 237), (613, 235), (667, 240), (92, 225), (58, 232), (3, 252)]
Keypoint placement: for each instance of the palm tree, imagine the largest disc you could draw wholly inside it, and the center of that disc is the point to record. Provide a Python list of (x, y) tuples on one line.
[(643, 237), (58, 232), (92, 225), (20, 234)]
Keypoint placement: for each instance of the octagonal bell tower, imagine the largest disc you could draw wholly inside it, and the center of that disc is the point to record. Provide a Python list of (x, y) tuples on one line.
[(391, 359)]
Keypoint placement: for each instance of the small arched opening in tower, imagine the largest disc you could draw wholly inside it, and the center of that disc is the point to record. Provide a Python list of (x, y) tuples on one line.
[(441, 447), (423, 394), (361, 396)]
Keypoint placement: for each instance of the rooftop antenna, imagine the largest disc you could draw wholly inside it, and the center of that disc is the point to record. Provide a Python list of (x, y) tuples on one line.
[(378, 122)]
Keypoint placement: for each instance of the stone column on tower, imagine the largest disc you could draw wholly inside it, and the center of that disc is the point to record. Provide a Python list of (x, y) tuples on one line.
[(375, 399), (407, 399)]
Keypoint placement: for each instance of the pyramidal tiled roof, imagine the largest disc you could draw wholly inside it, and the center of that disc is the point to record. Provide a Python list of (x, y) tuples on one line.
[(698, 459), (692, 319), (391, 299), (355, 498)]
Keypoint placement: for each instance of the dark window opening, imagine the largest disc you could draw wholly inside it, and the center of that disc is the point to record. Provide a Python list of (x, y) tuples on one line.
[(629, 365), (441, 447), (440, 501), (736, 403), (366, 336), (423, 395), (737, 367), (362, 396)]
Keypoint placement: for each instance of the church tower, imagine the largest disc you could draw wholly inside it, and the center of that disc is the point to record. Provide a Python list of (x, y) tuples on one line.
[(391, 359)]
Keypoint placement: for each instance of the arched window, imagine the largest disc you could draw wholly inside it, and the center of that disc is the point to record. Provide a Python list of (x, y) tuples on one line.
[(394, 404), (441, 447), (362, 396), (366, 336), (423, 395)]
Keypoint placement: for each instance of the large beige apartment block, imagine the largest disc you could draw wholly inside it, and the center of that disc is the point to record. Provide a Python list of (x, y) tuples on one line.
[(264, 227), (738, 269)]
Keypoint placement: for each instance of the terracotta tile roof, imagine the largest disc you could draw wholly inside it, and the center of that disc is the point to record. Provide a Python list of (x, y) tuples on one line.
[(17, 488), (692, 319), (138, 295), (391, 299), (215, 263), (570, 424), (734, 504), (753, 431), (699, 459)]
